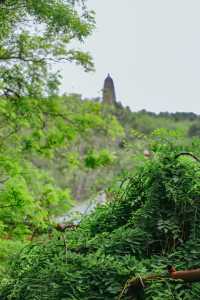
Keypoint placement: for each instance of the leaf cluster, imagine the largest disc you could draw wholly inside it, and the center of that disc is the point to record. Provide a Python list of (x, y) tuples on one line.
[(152, 222), (34, 35)]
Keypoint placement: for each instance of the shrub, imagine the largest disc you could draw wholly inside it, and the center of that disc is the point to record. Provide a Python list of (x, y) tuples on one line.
[(153, 221)]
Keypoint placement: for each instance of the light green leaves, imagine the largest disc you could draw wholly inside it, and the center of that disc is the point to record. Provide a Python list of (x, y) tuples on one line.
[(35, 34), (102, 158)]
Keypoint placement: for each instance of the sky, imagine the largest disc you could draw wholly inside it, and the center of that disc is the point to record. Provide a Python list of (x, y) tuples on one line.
[(151, 48)]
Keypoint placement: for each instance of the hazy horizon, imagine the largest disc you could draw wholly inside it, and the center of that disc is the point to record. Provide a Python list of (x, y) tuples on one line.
[(150, 48)]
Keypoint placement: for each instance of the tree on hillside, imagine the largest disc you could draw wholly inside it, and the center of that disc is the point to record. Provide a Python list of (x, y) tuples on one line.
[(34, 34), (39, 130)]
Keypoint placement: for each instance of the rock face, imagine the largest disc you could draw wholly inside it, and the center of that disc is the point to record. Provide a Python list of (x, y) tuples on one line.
[(109, 95)]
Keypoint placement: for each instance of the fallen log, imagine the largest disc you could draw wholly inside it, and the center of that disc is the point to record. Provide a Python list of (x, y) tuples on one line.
[(186, 275), (135, 284)]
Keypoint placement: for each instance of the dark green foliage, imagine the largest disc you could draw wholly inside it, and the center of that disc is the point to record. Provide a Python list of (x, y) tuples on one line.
[(153, 221), (194, 130)]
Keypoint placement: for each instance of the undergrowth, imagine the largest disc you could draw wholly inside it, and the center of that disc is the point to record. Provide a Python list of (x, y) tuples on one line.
[(153, 221)]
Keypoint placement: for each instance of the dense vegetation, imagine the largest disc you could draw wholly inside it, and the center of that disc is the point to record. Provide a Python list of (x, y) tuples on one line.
[(35, 124), (59, 150), (153, 221)]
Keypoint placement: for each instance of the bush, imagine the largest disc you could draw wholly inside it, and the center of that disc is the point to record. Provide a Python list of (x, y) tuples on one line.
[(153, 221)]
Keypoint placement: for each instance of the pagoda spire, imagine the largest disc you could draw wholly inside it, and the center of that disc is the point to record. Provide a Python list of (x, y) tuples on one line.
[(109, 95)]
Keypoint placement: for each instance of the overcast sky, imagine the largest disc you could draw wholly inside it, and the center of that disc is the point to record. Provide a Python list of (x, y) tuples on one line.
[(152, 50)]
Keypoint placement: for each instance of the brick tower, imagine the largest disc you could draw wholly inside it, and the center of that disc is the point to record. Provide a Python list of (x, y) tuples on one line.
[(109, 96)]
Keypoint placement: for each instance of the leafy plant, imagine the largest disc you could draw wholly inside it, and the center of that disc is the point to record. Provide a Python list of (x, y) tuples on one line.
[(152, 222)]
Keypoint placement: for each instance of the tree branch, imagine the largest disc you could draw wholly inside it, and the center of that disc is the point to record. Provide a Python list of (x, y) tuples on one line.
[(187, 154), (20, 58)]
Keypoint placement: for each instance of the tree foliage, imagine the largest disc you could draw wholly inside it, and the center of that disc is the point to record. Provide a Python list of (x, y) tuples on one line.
[(38, 137), (53, 148), (35, 34), (152, 222)]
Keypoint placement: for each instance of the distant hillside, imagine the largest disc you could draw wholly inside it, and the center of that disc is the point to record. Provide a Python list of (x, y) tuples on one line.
[(136, 128), (132, 138), (57, 151)]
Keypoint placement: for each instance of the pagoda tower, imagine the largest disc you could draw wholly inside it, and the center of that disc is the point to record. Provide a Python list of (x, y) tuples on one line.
[(109, 95)]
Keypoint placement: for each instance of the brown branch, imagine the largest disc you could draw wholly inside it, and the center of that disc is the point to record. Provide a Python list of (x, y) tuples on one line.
[(8, 92), (186, 275), (55, 114), (137, 283)]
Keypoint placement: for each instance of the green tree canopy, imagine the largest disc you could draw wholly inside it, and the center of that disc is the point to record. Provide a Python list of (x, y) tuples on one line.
[(33, 35)]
